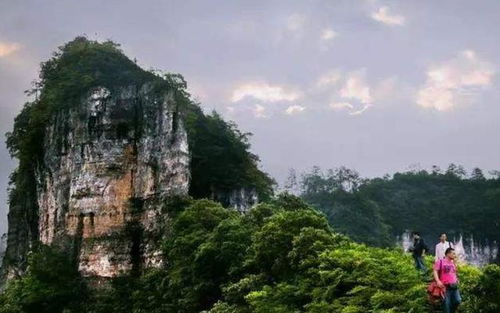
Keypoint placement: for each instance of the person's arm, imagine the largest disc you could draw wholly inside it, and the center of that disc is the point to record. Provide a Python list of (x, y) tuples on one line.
[(436, 278), (435, 272)]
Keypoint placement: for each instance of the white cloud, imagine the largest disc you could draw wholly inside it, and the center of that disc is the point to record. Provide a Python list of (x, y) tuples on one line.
[(346, 106), (440, 99), (384, 16), (328, 79), (8, 48), (328, 34), (326, 38), (294, 109), (449, 82), (356, 88), (341, 106), (264, 92), (349, 92), (295, 22), (259, 111), (361, 110)]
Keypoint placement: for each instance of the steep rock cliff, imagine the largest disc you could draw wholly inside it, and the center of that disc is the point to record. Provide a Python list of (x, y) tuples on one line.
[(110, 163)]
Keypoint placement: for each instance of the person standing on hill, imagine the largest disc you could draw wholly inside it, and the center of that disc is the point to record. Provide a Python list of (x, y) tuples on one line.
[(445, 274), (442, 246), (418, 251)]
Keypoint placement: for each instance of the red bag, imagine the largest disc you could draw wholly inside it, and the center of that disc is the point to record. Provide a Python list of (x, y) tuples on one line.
[(435, 293)]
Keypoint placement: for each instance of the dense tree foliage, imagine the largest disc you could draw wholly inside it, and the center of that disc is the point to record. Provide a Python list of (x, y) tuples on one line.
[(221, 160), (52, 284), (281, 257), (377, 210), (336, 193)]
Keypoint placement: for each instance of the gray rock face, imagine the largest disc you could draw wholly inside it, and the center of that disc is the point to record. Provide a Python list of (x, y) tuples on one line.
[(241, 199), (110, 164)]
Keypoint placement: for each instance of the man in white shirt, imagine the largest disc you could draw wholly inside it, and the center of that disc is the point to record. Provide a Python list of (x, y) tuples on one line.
[(442, 246)]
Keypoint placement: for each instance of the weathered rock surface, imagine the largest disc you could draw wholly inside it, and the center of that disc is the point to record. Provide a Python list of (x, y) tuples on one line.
[(240, 199), (109, 166)]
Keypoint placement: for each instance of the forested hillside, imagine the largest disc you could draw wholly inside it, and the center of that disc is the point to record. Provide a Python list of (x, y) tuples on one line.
[(282, 257), (377, 210)]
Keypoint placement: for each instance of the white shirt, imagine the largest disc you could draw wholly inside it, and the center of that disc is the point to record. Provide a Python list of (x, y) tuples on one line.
[(441, 249)]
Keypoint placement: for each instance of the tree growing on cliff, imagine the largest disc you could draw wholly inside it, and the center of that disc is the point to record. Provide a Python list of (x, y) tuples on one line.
[(51, 284)]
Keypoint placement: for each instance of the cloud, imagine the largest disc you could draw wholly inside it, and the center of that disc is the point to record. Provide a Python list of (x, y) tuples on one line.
[(259, 111), (449, 82), (384, 16), (341, 106), (328, 34), (326, 38), (349, 92), (328, 79), (7, 49), (264, 92), (355, 87), (294, 109), (361, 110)]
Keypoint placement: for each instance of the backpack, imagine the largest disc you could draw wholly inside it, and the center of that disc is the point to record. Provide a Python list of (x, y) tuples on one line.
[(435, 294)]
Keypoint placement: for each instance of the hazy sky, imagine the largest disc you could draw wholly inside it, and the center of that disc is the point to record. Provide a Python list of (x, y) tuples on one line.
[(373, 85)]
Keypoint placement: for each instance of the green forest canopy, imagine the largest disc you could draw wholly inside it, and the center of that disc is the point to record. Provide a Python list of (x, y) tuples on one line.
[(281, 257), (377, 210)]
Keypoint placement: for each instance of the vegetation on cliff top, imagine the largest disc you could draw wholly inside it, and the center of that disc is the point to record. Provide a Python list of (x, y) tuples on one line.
[(281, 257)]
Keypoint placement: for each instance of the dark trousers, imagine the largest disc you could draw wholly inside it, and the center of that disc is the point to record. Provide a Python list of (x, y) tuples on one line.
[(451, 300), (419, 263)]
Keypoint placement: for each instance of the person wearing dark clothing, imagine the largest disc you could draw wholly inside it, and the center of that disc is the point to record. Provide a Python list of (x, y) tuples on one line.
[(418, 251)]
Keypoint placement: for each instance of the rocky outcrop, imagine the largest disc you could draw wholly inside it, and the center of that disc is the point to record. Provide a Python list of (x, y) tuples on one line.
[(110, 165), (240, 199)]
